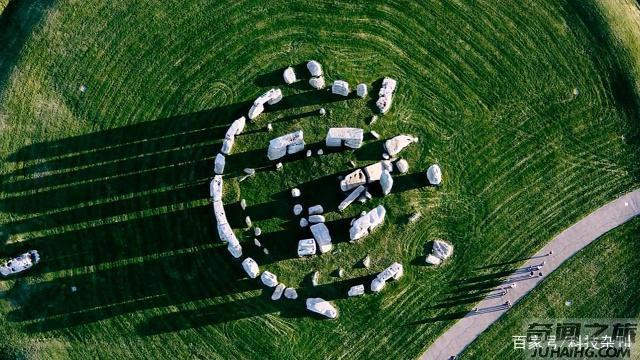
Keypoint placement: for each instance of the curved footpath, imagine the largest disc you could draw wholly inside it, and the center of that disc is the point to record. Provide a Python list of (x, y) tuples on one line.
[(565, 245)]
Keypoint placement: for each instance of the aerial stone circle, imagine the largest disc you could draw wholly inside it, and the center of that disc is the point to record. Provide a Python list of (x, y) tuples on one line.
[(355, 183)]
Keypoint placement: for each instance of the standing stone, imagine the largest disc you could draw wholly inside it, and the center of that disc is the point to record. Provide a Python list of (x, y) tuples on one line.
[(219, 164), (304, 223), (295, 192), (403, 166), (386, 181), (315, 278), (247, 220), (243, 204), (297, 209), (257, 231)]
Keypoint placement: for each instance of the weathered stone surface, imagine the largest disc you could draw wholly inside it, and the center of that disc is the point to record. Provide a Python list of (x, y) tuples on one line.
[(385, 94), (366, 262), (403, 166), (432, 260), (215, 188), (289, 75), (314, 219), (219, 163), (314, 67), (353, 180), (361, 90), (356, 290), (316, 210), (340, 87), (286, 144), (394, 271), (269, 279), (398, 143), (434, 174), (322, 307), (351, 198), (277, 292), (345, 136), (374, 171), (322, 236), (365, 224), (317, 83), (306, 247), (441, 249), (386, 182), (250, 266), (290, 293)]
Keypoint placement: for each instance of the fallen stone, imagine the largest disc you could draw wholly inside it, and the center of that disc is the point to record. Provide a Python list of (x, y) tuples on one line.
[(340, 272), (250, 266), (257, 243), (297, 209), (243, 204), (374, 171), (394, 271), (265, 251), (356, 290), (315, 278), (279, 166), (320, 152), (247, 221), (249, 171), (269, 279), (365, 224), (269, 127), (322, 307), (386, 156), (351, 198), (362, 199), (385, 94), (309, 153), (414, 217), (374, 118), (277, 293), (323, 238), (398, 143), (322, 112), (353, 180)]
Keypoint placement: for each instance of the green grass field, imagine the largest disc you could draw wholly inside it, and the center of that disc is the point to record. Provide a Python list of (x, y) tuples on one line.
[(530, 107)]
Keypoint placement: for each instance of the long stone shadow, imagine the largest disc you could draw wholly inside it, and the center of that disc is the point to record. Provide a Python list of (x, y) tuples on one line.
[(247, 308), (102, 294), (138, 193), (18, 20)]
